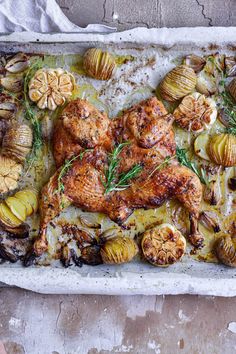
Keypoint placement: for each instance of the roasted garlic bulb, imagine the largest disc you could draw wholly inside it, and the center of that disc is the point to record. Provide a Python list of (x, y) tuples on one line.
[(196, 112), (222, 149), (17, 142), (178, 83), (18, 63), (119, 250), (163, 245), (15, 209), (98, 64), (51, 87), (225, 249), (10, 172)]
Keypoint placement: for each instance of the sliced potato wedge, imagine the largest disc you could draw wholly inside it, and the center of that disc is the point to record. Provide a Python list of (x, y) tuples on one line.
[(7, 217), (33, 198), (17, 208), (22, 196), (200, 146)]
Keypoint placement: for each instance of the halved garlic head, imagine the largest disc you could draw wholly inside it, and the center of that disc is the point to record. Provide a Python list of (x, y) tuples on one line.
[(200, 146), (222, 149), (10, 172), (196, 112), (163, 245), (178, 83), (51, 87)]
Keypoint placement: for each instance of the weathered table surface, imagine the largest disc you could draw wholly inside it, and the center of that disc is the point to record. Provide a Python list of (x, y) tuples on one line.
[(50, 324)]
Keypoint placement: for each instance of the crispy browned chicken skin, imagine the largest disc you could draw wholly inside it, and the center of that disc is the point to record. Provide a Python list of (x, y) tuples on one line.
[(148, 128)]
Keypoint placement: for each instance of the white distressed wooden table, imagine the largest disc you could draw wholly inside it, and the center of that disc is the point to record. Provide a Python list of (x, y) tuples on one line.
[(68, 324)]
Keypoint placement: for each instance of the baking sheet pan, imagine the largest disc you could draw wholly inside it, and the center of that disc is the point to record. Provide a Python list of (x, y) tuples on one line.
[(188, 276)]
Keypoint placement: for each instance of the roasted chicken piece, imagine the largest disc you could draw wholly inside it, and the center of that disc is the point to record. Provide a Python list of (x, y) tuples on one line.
[(148, 128)]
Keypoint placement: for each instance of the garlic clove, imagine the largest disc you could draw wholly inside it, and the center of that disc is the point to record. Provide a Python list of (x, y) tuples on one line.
[(35, 95), (58, 98), (231, 88), (43, 102), (195, 62), (212, 193), (51, 104), (210, 221), (18, 63), (7, 110), (12, 83)]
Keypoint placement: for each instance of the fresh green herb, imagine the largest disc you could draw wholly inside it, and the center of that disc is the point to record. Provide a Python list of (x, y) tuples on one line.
[(230, 110), (181, 155), (81, 155), (64, 169), (162, 164), (30, 112), (119, 182)]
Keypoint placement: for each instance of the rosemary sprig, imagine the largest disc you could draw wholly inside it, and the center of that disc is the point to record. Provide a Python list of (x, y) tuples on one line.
[(81, 155), (162, 164), (64, 169), (230, 110), (181, 155), (119, 182), (30, 113)]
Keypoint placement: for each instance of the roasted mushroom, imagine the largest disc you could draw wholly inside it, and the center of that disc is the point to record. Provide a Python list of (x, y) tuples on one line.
[(163, 245), (196, 112), (17, 142), (178, 83), (10, 172), (98, 64), (119, 250), (225, 249), (222, 149), (51, 87)]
